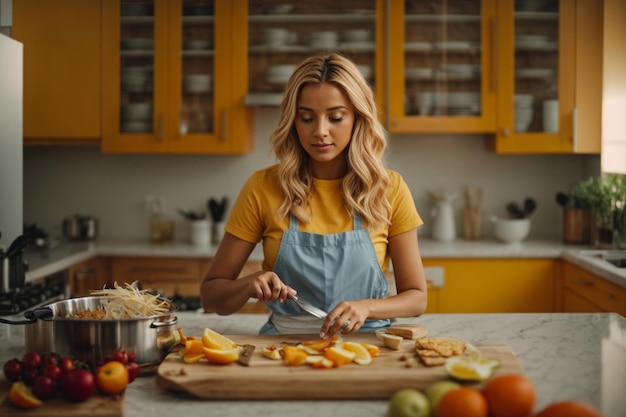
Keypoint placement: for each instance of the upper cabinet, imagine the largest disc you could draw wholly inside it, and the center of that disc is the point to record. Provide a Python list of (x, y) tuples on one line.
[(549, 76), (282, 34), (62, 69), (167, 80), (441, 70)]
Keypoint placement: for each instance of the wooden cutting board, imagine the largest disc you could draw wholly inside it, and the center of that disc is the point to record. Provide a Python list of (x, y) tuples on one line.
[(271, 379), (97, 406)]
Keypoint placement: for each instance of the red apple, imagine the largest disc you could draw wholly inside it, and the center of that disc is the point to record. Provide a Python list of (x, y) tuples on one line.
[(133, 371)]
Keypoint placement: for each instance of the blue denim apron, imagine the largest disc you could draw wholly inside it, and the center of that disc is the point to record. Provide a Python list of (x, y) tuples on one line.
[(325, 270)]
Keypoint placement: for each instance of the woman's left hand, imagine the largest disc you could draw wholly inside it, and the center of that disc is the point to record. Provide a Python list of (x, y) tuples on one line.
[(346, 317)]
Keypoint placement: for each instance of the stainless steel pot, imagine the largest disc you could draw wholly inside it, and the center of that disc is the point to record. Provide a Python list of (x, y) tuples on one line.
[(91, 341), (79, 227)]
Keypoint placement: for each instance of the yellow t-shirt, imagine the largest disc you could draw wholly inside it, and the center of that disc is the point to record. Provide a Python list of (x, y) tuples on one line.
[(254, 215)]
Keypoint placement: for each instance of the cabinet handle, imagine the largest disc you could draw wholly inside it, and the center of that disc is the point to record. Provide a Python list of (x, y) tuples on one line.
[(505, 131), (579, 281), (160, 133), (494, 57), (575, 128), (223, 127)]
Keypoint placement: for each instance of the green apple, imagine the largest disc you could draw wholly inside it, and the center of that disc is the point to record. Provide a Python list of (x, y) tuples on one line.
[(408, 403), (436, 391)]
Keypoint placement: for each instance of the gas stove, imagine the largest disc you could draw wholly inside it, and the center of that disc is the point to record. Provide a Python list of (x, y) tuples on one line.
[(33, 295)]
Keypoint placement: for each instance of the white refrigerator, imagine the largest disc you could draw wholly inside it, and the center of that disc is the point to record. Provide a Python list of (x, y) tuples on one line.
[(11, 132)]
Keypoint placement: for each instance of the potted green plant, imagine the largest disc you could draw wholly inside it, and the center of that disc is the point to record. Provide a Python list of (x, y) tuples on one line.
[(597, 205)]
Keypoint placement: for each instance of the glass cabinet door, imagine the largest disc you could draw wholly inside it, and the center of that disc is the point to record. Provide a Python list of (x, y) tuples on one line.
[(281, 35), (441, 75), (160, 66), (537, 78)]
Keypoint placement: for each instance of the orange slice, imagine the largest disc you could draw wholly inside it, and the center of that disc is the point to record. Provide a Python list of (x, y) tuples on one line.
[(372, 349), (361, 354), (193, 358), (213, 340), (221, 356), (181, 335), (293, 356), (21, 396), (339, 356), (192, 347), (317, 345)]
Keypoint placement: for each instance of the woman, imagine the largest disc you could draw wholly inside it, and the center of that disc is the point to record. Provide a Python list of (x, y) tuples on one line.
[(329, 214)]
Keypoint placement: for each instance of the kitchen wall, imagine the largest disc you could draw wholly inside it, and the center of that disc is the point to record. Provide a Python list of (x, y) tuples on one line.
[(60, 181)]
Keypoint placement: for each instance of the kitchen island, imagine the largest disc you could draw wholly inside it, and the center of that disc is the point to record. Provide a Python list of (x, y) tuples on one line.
[(567, 356)]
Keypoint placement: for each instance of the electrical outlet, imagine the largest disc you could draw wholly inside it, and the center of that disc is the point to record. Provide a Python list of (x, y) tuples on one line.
[(435, 274)]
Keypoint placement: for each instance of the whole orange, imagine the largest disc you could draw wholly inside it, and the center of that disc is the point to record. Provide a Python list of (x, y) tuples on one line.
[(112, 377), (510, 395), (462, 402), (569, 409)]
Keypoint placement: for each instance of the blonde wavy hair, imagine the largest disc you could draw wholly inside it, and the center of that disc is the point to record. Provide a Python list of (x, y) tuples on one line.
[(366, 183)]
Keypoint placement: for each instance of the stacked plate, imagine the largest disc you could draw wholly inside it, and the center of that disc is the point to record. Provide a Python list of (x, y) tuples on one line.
[(278, 9), (136, 117), (523, 111), (277, 37), (529, 41), (279, 74), (418, 73), (463, 103), (136, 9), (137, 79), (138, 43), (323, 39), (197, 83), (461, 71), (197, 44)]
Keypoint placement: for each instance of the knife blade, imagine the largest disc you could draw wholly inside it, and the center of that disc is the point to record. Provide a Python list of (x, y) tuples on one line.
[(308, 307)]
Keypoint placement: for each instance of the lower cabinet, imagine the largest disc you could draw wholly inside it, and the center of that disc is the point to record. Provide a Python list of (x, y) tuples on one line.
[(585, 292), (167, 276), (491, 285), (88, 275)]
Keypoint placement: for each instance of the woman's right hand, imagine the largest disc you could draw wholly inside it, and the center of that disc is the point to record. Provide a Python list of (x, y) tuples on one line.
[(267, 286)]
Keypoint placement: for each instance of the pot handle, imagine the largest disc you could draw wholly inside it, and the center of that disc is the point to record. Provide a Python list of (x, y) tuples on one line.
[(31, 316), (170, 322)]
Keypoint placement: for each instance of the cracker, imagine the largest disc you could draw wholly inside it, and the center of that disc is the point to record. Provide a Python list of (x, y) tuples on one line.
[(434, 351)]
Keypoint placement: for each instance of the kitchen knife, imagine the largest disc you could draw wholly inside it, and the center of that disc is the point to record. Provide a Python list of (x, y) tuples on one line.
[(308, 307)]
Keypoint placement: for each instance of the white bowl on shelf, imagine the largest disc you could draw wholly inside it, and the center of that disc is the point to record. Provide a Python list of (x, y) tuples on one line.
[(197, 44), (357, 35), (511, 230), (137, 111)]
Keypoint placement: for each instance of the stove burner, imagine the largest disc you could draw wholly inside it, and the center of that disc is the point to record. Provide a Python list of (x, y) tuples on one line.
[(29, 296)]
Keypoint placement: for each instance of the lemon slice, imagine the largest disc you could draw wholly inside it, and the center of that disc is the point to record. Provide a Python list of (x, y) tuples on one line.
[(470, 368)]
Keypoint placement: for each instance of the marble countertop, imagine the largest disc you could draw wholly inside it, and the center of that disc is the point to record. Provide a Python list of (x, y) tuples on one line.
[(567, 356), (62, 255)]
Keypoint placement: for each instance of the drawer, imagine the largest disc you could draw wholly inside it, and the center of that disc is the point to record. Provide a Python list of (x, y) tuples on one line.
[(603, 294)]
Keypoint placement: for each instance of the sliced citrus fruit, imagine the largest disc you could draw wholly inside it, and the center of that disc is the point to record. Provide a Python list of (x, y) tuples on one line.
[(322, 363), (293, 356), (339, 356), (213, 340), (372, 349), (221, 356), (193, 358), (192, 347), (317, 345), (21, 396), (466, 368), (181, 335), (361, 354)]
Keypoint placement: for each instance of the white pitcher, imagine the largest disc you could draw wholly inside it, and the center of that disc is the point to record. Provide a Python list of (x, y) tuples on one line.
[(442, 214)]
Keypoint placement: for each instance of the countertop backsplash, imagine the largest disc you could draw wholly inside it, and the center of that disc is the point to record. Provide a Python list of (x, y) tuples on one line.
[(62, 181)]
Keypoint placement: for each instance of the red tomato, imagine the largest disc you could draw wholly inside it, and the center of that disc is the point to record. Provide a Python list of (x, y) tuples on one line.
[(31, 360), (112, 377), (133, 371)]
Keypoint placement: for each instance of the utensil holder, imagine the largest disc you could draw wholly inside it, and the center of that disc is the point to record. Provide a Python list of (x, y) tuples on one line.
[(199, 232)]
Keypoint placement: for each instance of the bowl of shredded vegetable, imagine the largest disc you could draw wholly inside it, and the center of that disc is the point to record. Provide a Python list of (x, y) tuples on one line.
[(92, 328)]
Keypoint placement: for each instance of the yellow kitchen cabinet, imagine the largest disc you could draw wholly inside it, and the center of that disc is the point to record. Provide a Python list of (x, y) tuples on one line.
[(494, 285), (549, 57), (585, 292), (62, 69), (441, 72), (167, 276), (170, 80), (91, 274)]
